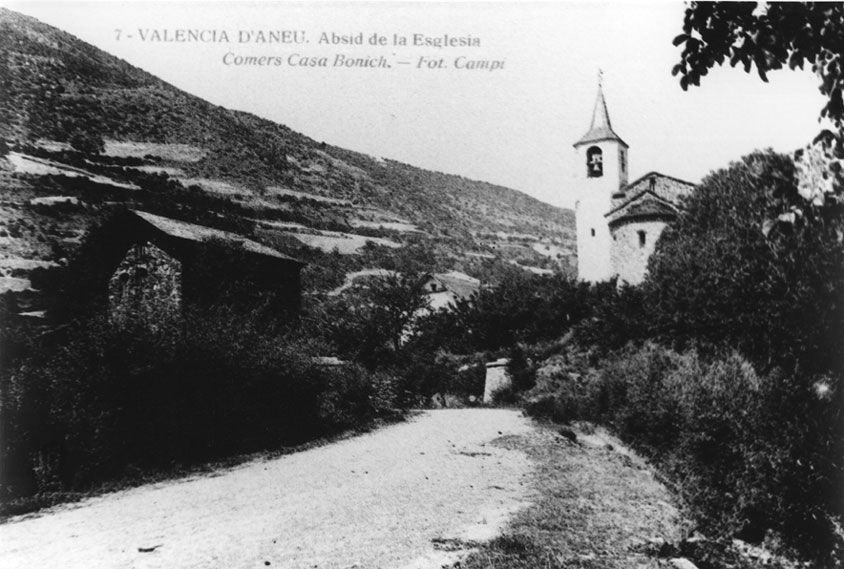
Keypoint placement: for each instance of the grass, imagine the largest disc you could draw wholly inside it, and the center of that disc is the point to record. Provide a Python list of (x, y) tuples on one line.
[(596, 506), (344, 243), (174, 152)]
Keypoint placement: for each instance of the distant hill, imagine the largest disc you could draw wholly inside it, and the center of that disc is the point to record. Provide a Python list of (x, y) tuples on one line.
[(175, 154)]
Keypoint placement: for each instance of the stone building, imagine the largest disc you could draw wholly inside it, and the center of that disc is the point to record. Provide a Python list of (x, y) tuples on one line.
[(618, 223), (444, 290), (138, 264)]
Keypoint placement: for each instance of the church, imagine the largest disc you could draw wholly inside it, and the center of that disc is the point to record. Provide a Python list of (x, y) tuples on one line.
[(618, 223)]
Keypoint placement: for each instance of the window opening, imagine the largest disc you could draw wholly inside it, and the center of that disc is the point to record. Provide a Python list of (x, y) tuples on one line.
[(594, 162)]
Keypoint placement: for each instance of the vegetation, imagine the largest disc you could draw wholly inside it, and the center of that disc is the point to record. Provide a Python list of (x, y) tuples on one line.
[(770, 36), (103, 401), (732, 381), (724, 367), (58, 88), (717, 277), (521, 308), (600, 507)]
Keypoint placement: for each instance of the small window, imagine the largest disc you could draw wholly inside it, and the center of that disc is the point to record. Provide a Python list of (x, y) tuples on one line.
[(594, 162), (622, 159), (642, 238), (593, 232), (652, 184)]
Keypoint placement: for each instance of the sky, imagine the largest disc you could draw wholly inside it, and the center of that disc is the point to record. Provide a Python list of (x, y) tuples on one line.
[(514, 125)]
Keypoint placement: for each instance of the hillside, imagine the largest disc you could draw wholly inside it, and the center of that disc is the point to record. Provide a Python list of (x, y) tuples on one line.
[(85, 132)]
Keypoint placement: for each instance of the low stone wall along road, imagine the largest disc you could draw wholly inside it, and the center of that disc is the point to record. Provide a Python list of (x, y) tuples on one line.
[(399, 497)]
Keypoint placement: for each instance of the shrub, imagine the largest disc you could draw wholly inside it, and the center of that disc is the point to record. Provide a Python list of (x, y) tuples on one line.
[(521, 308), (721, 275), (521, 369), (560, 393), (422, 375), (637, 395), (751, 454), (109, 400), (87, 142), (561, 407)]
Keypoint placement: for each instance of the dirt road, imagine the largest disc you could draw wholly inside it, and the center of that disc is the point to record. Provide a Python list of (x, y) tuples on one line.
[(376, 500)]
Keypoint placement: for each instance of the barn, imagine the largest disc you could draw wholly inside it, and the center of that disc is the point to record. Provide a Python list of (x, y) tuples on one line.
[(139, 263)]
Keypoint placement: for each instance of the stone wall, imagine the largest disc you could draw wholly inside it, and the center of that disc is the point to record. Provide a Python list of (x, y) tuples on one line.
[(497, 378), (629, 256), (146, 286)]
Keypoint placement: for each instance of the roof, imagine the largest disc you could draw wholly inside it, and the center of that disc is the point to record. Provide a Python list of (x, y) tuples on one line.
[(646, 205), (600, 128), (460, 284), (203, 234), (667, 188)]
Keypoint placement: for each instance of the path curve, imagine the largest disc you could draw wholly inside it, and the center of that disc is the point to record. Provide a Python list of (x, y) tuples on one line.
[(374, 501)]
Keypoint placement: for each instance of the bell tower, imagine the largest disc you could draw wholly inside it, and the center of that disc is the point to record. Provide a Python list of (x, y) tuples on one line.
[(602, 171)]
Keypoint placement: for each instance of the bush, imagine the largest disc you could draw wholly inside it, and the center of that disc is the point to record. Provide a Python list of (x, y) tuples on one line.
[(562, 392), (423, 375), (521, 308), (107, 400), (561, 408), (723, 275), (753, 455), (87, 142), (521, 369)]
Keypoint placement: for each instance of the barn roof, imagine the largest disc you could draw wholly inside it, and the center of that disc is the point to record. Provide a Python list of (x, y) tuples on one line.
[(203, 234)]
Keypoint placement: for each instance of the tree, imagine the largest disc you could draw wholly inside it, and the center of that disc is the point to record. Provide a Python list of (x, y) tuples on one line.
[(394, 300), (521, 308), (770, 36), (369, 324), (87, 142), (716, 276)]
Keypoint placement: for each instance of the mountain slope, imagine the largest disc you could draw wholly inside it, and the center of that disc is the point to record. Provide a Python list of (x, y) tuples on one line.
[(56, 90)]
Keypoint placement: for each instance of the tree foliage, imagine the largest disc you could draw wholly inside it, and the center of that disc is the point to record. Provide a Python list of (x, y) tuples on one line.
[(116, 399), (771, 36), (716, 276), (368, 325), (87, 142), (393, 301), (521, 308)]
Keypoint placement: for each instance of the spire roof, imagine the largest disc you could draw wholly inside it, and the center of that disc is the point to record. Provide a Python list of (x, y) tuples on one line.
[(601, 128)]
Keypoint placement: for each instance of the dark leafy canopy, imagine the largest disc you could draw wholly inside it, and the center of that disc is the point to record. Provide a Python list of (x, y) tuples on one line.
[(368, 326), (767, 37), (716, 277), (520, 308)]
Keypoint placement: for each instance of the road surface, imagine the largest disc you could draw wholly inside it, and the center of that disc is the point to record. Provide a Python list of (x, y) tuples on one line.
[(379, 500)]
